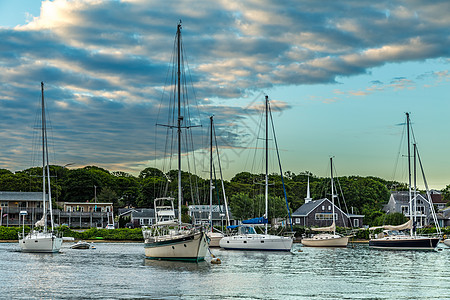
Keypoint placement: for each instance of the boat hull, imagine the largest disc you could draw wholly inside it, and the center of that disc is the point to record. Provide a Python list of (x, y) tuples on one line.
[(40, 243), (259, 242), (192, 247), (404, 243), (327, 240), (447, 242), (214, 238), (81, 245)]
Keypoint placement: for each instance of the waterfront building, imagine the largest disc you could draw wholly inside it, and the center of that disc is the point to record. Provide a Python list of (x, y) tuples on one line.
[(399, 202), (76, 215), (319, 213)]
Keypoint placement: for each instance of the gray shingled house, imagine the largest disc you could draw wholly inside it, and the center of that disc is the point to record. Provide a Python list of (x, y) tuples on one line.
[(320, 213)]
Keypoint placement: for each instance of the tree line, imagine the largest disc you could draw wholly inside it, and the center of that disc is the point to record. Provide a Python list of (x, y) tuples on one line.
[(244, 192)]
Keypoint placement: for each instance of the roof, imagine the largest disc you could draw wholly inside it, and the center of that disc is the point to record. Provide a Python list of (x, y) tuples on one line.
[(307, 208), (21, 196), (403, 196)]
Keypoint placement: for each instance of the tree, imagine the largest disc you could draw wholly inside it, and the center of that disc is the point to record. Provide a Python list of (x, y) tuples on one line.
[(242, 206)]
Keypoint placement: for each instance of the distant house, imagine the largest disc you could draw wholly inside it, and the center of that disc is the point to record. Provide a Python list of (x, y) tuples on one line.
[(11, 203), (399, 202), (81, 215), (320, 213), (139, 216)]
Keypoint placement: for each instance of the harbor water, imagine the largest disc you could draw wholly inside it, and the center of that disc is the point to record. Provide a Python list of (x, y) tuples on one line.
[(120, 271)]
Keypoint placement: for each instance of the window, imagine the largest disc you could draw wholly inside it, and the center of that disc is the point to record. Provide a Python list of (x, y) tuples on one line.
[(405, 209), (421, 210), (297, 220), (325, 216), (323, 207), (329, 207), (355, 223)]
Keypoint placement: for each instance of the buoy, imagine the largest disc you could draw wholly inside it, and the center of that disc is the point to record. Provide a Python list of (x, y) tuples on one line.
[(216, 261), (300, 250)]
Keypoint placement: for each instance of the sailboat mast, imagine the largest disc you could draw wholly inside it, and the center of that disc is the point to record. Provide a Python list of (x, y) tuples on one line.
[(180, 118), (267, 163), (211, 187), (332, 194), (43, 156), (415, 184), (409, 173)]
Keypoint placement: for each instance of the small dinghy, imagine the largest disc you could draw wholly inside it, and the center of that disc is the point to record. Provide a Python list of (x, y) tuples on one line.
[(81, 245)]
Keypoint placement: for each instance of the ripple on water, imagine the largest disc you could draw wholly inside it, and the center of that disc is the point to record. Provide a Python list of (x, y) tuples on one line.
[(120, 271)]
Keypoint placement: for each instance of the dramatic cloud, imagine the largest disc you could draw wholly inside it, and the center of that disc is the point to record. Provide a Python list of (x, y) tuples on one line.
[(105, 64)]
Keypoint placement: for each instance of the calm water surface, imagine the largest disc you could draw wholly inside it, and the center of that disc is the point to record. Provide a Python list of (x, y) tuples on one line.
[(120, 271)]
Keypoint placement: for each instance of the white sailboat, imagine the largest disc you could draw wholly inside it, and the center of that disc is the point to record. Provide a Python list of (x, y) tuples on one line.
[(395, 237), (213, 234), (169, 238), (246, 237), (329, 237), (45, 241)]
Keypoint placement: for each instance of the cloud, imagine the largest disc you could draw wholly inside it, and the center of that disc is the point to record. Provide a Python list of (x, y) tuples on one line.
[(105, 63)]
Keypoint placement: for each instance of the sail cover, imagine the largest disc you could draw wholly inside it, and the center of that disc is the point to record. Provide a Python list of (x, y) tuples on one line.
[(260, 220), (332, 227), (41, 222), (407, 225)]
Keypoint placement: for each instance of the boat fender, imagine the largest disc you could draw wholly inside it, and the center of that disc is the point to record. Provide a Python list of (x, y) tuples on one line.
[(216, 261)]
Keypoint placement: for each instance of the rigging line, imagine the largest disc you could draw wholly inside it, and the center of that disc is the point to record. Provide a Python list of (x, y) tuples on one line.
[(430, 201), (221, 177), (343, 199), (402, 138), (279, 163)]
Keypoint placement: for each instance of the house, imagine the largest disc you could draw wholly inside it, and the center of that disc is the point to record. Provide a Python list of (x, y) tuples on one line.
[(320, 213), (11, 203), (81, 215), (399, 201), (85, 214), (139, 216)]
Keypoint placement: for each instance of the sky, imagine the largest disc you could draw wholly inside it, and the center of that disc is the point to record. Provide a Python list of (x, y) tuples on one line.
[(340, 76)]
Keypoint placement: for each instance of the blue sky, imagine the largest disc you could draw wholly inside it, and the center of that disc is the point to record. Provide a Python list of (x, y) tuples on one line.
[(341, 73)]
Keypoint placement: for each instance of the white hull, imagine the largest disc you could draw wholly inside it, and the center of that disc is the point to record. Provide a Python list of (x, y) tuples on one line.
[(325, 240), (189, 247), (263, 242), (447, 242), (40, 242), (214, 238)]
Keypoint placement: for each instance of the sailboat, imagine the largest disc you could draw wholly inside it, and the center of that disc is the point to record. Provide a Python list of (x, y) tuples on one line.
[(169, 238), (45, 240), (214, 235), (329, 238), (246, 237), (395, 237)]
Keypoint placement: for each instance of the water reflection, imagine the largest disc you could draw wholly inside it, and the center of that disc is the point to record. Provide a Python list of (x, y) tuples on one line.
[(179, 266)]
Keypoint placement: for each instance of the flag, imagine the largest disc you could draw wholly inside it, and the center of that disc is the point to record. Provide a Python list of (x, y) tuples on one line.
[(5, 215)]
